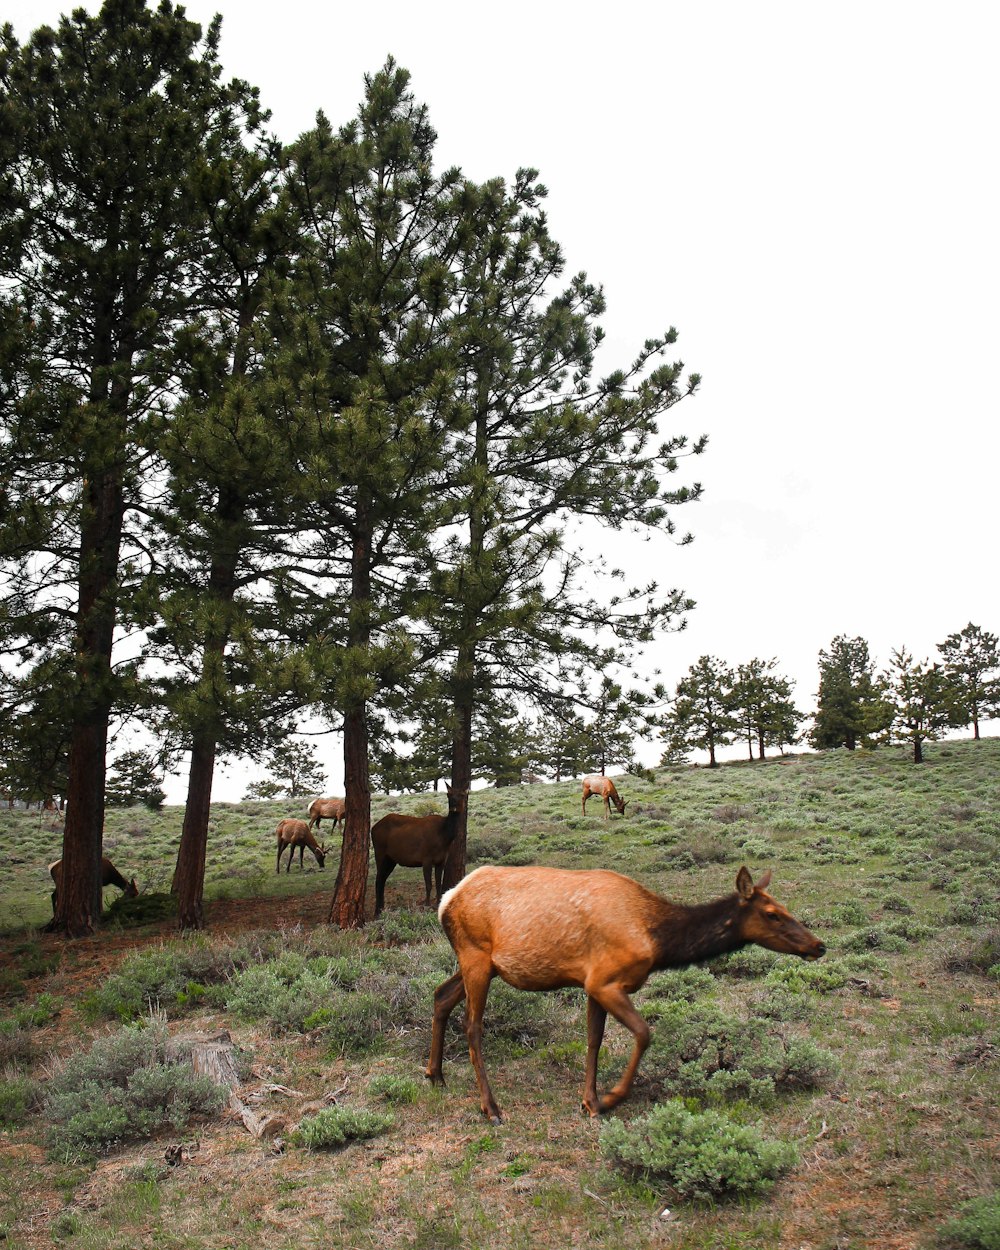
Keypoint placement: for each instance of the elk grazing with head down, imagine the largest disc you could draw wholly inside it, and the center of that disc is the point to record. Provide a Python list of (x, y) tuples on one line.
[(296, 833), (597, 783), (545, 928), (327, 809), (415, 842), (109, 876)]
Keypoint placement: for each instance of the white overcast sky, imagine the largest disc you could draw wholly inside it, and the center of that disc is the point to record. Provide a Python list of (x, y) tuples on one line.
[(809, 193)]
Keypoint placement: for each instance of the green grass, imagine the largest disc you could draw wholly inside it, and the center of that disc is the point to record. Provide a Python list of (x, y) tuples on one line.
[(876, 1066)]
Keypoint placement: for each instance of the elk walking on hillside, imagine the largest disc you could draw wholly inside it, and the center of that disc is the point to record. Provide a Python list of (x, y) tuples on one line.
[(415, 842), (293, 833), (597, 783), (544, 928), (109, 876), (327, 809)]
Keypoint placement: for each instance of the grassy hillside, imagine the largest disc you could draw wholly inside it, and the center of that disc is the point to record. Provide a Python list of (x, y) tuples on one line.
[(870, 1076)]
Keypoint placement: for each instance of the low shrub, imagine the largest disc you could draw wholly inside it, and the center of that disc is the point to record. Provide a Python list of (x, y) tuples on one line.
[(679, 984), (699, 1052), (798, 977), (976, 1227), (700, 1155), (398, 1090), (982, 956), (123, 1089), (874, 939), (849, 913), (334, 1127), (157, 980), (897, 903), (18, 1097)]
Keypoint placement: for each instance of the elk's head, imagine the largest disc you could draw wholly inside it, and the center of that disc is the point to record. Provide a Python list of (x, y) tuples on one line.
[(764, 921)]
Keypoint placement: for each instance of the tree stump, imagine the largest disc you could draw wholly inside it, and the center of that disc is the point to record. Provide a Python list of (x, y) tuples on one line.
[(215, 1057)]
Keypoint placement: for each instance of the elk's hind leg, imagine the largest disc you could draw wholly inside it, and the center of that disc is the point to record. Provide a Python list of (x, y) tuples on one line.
[(447, 996), (596, 1018), (477, 973)]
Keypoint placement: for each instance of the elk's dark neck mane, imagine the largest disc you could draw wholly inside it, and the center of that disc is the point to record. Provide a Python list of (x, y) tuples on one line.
[(686, 935)]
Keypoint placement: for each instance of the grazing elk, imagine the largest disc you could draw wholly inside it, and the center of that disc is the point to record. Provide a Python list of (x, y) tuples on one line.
[(329, 809), (296, 833), (109, 876), (543, 928), (415, 842), (596, 783)]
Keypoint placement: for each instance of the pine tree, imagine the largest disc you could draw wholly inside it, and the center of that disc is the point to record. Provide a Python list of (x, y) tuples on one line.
[(763, 702), (851, 708), (373, 290), (919, 701), (971, 663), (546, 445), (295, 767), (105, 119), (701, 716), (135, 777), (233, 498)]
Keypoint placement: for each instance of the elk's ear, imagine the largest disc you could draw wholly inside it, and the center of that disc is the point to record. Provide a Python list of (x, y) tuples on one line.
[(744, 883), (447, 787), (765, 880)]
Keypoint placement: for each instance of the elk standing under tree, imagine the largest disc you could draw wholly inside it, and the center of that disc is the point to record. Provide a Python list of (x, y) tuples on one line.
[(109, 876), (545, 928), (415, 842)]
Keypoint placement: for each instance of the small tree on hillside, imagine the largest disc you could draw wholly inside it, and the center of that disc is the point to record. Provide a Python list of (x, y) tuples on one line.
[(294, 769), (971, 660), (135, 778), (851, 708), (702, 715), (562, 746), (762, 700), (920, 701), (620, 716)]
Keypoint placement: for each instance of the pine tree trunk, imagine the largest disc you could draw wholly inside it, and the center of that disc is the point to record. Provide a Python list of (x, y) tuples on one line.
[(78, 906), (189, 874), (79, 903), (918, 751), (464, 694), (347, 909)]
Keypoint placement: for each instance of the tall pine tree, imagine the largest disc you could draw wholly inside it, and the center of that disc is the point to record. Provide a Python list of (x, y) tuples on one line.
[(372, 291), (105, 118)]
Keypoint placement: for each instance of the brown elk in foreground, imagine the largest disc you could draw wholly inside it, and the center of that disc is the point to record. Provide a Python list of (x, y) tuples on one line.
[(328, 809), (109, 876), (596, 783), (415, 842), (544, 928), (296, 833)]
